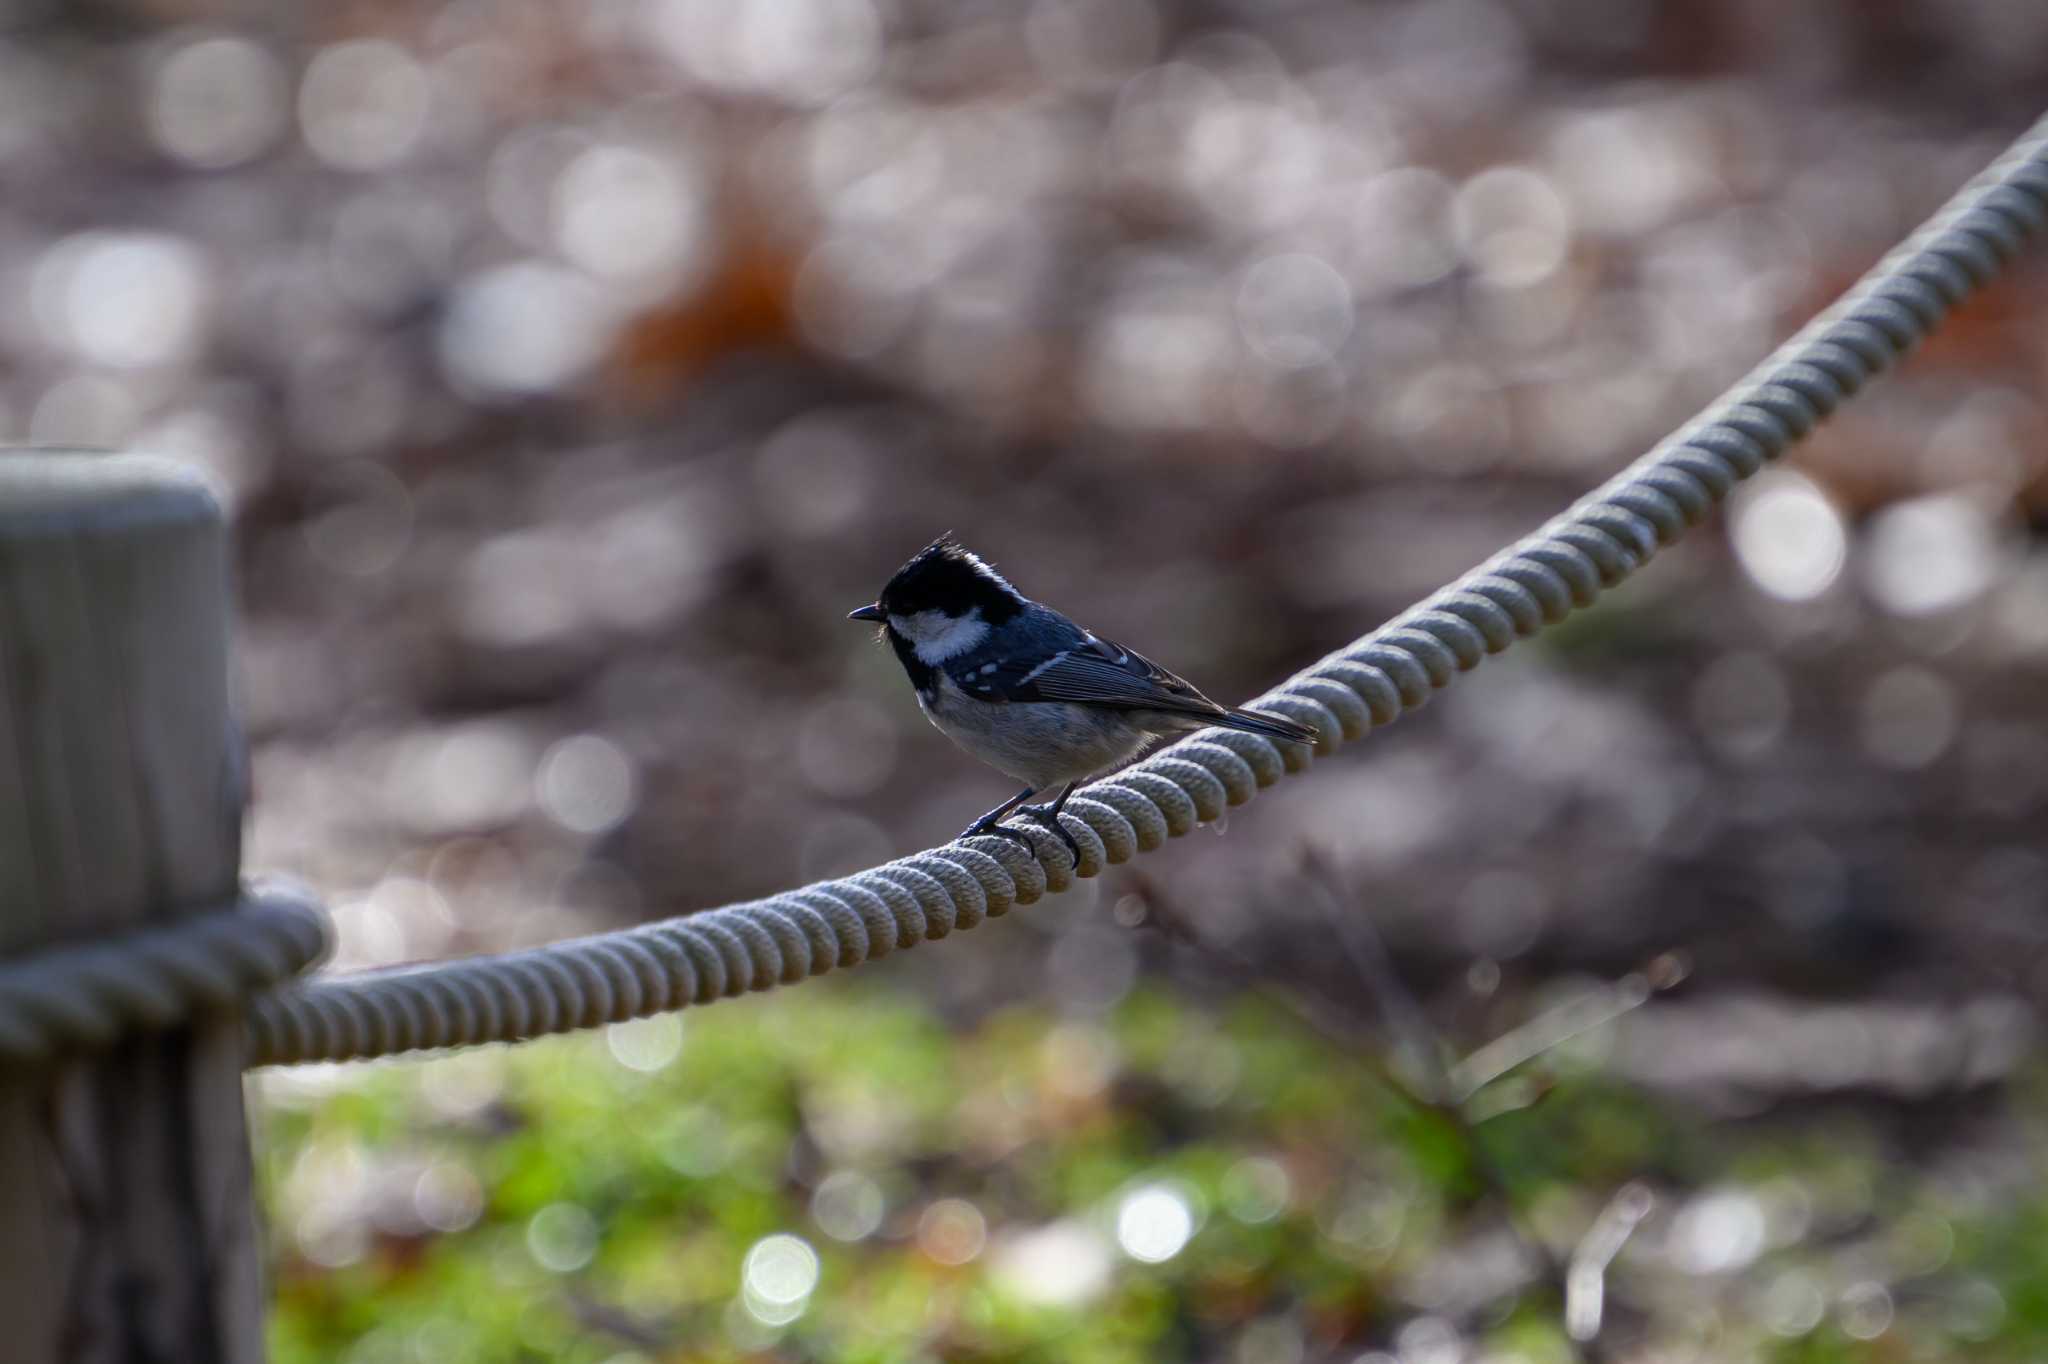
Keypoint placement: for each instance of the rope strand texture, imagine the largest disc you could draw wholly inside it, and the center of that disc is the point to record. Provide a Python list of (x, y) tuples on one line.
[(1599, 541), (90, 995)]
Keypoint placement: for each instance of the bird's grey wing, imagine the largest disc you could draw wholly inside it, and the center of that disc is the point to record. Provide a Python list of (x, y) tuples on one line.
[(1090, 671)]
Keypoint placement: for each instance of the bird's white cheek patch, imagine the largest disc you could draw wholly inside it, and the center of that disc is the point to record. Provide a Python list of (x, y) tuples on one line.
[(937, 636)]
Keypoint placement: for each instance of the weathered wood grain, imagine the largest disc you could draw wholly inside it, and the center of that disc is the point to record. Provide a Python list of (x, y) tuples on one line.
[(127, 1227)]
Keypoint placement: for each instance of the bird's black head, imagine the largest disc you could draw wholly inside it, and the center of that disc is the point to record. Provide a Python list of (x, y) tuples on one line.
[(944, 577)]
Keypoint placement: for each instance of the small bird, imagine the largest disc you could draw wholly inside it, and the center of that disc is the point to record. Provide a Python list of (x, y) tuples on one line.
[(1028, 691)]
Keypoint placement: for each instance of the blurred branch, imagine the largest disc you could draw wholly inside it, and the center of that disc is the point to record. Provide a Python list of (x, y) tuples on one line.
[(1402, 1013), (1424, 1082), (1420, 1076), (1332, 1026), (1545, 1032), (1586, 1279), (1413, 1034)]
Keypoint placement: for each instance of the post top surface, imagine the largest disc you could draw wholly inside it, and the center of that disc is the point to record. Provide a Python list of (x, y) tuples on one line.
[(50, 491)]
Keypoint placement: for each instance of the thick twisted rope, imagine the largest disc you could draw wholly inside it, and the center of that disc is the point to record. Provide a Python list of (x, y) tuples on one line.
[(1603, 538), (90, 995)]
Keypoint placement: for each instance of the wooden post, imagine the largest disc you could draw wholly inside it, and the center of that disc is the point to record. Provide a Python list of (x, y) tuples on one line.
[(127, 1223)]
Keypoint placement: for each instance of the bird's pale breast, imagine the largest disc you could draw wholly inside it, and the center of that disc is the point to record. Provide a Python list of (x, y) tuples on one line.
[(1040, 743)]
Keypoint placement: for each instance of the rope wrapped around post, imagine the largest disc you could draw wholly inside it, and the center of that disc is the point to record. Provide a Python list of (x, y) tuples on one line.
[(67, 999), (1565, 565)]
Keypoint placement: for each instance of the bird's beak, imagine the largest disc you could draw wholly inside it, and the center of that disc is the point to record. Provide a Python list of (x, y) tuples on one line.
[(865, 613)]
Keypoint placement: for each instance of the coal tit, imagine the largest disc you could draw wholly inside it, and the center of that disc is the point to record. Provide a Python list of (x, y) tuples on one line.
[(1028, 691)]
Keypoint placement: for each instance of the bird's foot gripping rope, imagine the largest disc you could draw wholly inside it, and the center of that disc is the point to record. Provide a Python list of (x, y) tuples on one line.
[(1046, 817)]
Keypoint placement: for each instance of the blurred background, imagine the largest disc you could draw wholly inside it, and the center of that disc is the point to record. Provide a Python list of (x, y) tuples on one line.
[(1666, 991)]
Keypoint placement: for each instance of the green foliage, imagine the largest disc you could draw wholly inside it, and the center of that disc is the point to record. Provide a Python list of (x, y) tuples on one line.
[(837, 1174)]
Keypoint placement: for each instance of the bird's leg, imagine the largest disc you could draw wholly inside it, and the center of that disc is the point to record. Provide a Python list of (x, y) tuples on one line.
[(990, 823), (1049, 816)]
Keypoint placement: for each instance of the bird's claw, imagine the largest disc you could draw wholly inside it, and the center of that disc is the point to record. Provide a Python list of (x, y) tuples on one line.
[(1050, 821), (988, 828), (1038, 813)]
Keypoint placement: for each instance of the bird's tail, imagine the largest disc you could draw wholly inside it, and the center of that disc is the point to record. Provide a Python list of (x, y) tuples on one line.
[(1272, 726)]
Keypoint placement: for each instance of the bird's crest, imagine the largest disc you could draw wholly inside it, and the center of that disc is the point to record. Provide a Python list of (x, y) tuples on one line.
[(946, 575)]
